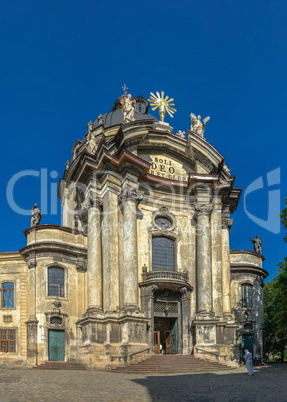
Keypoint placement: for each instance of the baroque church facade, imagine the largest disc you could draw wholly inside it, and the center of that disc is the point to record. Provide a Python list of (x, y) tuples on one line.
[(142, 260)]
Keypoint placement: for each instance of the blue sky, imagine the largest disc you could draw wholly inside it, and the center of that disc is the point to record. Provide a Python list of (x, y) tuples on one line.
[(65, 62)]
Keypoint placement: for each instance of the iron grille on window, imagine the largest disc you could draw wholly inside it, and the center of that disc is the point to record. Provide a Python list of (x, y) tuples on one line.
[(247, 295), (8, 295), (56, 282), (7, 340), (159, 307), (162, 254), (56, 320)]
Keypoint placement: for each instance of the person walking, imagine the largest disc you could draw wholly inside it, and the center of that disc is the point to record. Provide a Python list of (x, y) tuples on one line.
[(249, 361)]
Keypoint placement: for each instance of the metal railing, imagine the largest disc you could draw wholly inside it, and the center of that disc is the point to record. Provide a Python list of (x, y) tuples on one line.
[(166, 275), (130, 357), (211, 353)]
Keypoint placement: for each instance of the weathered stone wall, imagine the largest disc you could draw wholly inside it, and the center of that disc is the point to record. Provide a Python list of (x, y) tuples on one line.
[(13, 269)]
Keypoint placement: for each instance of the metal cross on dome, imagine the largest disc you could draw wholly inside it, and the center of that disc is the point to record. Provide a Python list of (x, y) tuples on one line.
[(125, 89)]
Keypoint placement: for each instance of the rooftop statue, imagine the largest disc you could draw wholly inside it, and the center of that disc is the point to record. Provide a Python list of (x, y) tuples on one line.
[(257, 244), (128, 108), (36, 215), (198, 126), (180, 133), (91, 140), (162, 103)]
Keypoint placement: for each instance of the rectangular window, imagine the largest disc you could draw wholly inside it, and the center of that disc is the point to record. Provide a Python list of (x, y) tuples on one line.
[(56, 282), (8, 295), (163, 254), (8, 340), (247, 295)]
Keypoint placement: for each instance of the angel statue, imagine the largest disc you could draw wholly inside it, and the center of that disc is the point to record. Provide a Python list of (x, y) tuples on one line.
[(257, 244), (198, 126)]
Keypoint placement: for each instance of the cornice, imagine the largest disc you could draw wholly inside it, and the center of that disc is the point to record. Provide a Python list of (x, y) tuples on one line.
[(248, 268), (52, 246), (66, 229)]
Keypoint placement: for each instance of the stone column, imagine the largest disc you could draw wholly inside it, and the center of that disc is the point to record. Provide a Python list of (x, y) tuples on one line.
[(110, 247), (226, 225), (129, 199), (203, 248), (32, 322), (94, 264), (65, 208), (185, 318), (216, 257)]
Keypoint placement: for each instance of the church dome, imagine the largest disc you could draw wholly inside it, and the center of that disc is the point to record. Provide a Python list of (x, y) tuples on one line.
[(115, 117)]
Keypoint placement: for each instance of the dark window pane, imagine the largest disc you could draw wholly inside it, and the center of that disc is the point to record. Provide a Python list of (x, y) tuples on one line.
[(11, 334), (3, 333), (3, 346), (56, 282), (8, 295), (11, 347), (162, 254), (247, 295)]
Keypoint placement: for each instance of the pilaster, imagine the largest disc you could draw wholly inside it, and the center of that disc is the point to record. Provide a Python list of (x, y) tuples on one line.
[(216, 256), (110, 246), (226, 225), (94, 264)]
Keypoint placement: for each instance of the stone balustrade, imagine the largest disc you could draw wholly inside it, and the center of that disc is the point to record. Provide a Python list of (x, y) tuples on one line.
[(165, 276)]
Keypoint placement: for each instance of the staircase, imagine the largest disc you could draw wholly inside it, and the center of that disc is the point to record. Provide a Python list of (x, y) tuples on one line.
[(60, 366), (171, 364)]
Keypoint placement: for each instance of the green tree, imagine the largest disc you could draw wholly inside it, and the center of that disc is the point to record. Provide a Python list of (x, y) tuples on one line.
[(275, 306)]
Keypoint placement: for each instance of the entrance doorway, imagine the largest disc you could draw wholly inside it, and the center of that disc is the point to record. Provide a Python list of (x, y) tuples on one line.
[(56, 345), (247, 343), (165, 334)]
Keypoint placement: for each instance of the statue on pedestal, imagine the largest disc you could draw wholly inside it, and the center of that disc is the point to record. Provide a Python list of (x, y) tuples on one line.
[(36, 215), (257, 244)]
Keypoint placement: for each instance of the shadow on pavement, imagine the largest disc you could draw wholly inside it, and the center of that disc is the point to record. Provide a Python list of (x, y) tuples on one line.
[(267, 384)]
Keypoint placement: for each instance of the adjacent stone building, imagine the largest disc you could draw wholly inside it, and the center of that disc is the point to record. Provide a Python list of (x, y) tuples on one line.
[(142, 259)]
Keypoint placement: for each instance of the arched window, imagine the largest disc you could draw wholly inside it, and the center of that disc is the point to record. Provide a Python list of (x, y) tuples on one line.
[(8, 294), (247, 295), (56, 282), (162, 254)]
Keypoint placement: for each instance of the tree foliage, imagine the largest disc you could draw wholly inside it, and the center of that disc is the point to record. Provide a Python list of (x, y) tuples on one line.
[(275, 306)]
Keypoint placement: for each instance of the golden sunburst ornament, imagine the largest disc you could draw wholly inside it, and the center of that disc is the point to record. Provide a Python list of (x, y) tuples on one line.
[(163, 103)]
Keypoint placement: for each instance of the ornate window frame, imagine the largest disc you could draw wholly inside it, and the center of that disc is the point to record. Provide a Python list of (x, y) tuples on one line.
[(163, 212), (156, 231)]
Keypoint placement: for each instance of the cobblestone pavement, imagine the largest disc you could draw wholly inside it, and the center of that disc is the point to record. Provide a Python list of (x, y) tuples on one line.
[(19, 384)]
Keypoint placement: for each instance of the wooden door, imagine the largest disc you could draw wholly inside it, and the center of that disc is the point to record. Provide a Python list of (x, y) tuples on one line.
[(168, 341), (247, 343), (156, 342), (56, 345)]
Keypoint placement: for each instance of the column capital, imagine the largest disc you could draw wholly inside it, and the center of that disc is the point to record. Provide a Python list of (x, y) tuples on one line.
[(227, 223), (130, 193), (92, 200), (203, 209)]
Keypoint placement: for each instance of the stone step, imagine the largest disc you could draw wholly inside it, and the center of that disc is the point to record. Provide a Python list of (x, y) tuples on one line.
[(61, 366), (171, 364)]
